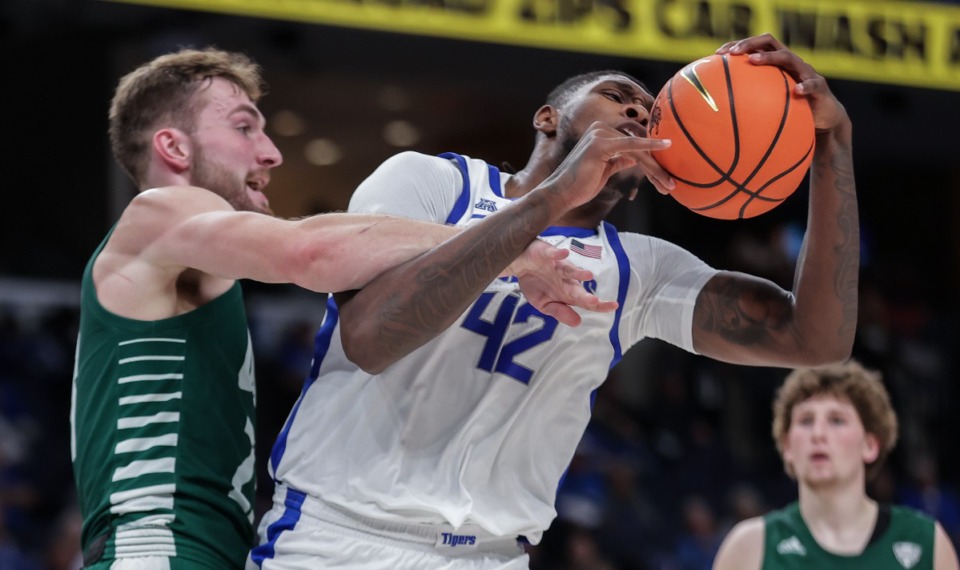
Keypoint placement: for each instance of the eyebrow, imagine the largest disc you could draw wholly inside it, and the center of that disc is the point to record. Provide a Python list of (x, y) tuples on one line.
[(634, 90), (248, 109), (830, 408)]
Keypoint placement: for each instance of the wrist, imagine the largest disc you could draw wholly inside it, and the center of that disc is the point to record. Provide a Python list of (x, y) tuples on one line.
[(838, 139), (841, 132), (525, 262), (550, 198)]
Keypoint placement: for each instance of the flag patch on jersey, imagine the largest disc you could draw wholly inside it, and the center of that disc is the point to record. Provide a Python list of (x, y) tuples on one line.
[(907, 553), (592, 251)]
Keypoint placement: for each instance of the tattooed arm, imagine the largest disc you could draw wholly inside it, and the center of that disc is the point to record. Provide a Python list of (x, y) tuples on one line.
[(408, 305), (744, 319)]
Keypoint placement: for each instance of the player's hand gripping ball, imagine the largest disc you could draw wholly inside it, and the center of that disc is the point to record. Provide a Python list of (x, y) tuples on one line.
[(742, 138)]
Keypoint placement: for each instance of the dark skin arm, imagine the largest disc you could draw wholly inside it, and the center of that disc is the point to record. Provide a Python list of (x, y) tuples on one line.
[(409, 305), (747, 320)]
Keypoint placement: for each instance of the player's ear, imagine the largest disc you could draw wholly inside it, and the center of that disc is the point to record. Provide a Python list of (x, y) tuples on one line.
[(545, 120), (871, 448), (786, 453), (172, 146)]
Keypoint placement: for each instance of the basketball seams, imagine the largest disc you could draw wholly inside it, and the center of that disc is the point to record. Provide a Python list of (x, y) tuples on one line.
[(770, 147), (733, 118), (689, 136), (738, 187), (787, 171)]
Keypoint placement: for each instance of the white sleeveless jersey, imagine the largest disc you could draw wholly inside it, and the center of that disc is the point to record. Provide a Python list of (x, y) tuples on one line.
[(478, 425)]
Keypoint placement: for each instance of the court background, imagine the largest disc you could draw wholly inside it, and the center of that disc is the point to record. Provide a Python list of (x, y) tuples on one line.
[(679, 448)]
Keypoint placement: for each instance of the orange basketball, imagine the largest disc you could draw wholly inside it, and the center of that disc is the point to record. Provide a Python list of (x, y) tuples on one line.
[(742, 139)]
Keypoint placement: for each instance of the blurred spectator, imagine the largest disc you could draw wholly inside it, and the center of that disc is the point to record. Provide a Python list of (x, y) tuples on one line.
[(582, 552), (924, 492), (12, 556), (701, 536), (743, 502), (632, 534), (63, 552)]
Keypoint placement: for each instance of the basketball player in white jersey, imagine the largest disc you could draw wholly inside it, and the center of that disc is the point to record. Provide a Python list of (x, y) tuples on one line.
[(451, 456)]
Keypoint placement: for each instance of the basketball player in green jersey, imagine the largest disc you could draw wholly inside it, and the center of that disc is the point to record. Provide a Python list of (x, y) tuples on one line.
[(834, 427), (162, 419)]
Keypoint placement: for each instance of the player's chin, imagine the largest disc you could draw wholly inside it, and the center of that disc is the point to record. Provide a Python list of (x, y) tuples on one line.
[(628, 185), (816, 478)]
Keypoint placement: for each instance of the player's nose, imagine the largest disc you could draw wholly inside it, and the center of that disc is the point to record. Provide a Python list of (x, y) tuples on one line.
[(819, 429), (638, 113), (269, 155)]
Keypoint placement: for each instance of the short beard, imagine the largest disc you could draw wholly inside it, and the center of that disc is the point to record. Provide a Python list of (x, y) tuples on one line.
[(220, 181), (624, 184)]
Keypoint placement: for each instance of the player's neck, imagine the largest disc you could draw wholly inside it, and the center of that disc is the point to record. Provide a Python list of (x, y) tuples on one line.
[(588, 215), (540, 166), (159, 175), (537, 170), (840, 518)]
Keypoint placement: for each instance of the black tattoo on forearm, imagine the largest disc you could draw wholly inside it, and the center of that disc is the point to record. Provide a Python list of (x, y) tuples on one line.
[(839, 167), (432, 290), (849, 249)]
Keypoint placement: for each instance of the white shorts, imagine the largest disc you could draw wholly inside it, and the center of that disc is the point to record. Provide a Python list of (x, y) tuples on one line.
[(303, 533)]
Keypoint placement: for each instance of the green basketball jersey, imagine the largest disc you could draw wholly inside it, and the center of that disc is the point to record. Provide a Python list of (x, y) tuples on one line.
[(162, 433), (906, 543)]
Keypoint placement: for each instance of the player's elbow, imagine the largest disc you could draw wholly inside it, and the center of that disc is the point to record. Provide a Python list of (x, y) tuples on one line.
[(826, 359), (828, 347), (837, 355), (361, 350), (840, 352), (826, 353)]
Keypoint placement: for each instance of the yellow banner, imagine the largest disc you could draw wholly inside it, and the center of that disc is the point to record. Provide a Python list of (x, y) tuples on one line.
[(884, 41)]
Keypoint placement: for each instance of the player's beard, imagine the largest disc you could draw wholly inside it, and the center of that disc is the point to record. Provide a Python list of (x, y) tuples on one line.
[(218, 179), (619, 185)]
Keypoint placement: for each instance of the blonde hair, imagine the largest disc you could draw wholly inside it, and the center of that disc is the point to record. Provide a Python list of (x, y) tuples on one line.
[(161, 93), (851, 382)]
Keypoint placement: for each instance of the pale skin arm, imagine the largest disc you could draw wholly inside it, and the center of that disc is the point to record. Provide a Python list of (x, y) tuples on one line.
[(175, 228), (944, 556), (412, 303), (168, 232), (742, 549), (748, 320)]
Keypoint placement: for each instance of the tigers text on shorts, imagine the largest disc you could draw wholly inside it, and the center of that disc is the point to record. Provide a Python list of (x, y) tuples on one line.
[(302, 532)]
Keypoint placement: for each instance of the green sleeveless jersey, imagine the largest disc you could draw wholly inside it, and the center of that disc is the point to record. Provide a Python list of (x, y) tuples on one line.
[(903, 540), (162, 433)]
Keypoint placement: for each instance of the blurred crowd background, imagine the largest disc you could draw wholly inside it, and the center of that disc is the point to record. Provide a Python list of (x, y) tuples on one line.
[(679, 449)]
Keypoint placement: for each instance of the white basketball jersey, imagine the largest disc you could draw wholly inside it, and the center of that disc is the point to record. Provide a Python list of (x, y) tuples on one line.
[(479, 424)]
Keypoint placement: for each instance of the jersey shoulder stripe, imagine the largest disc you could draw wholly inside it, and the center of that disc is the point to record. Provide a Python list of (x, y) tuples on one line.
[(463, 202)]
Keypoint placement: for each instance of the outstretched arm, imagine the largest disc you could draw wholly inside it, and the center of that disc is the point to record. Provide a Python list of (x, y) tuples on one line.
[(410, 304), (179, 246), (331, 252), (748, 320), (167, 231)]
